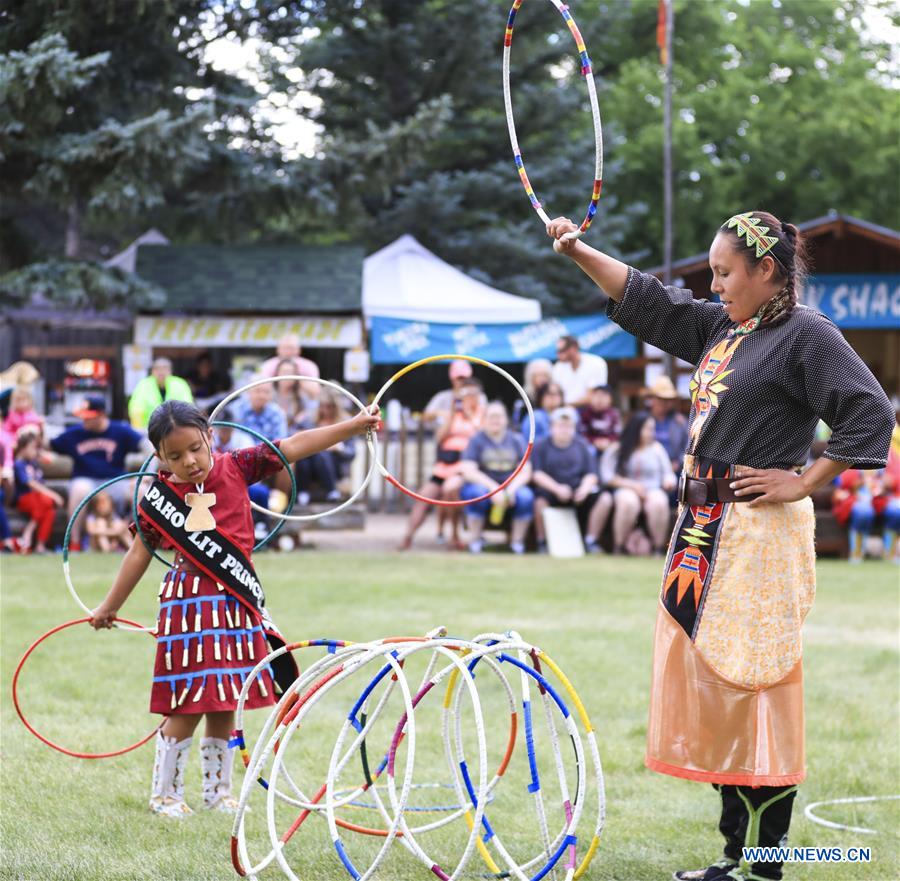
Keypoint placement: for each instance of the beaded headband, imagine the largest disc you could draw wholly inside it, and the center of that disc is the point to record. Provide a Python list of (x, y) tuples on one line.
[(750, 227)]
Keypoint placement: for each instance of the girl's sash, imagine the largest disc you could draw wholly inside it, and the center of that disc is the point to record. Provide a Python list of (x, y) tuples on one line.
[(221, 558)]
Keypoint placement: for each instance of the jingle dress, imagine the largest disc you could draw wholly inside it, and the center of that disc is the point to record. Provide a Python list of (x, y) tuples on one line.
[(207, 641), (726, 700)]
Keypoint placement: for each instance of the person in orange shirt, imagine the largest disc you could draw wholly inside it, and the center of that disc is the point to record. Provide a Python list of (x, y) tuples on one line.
[(455, 430)]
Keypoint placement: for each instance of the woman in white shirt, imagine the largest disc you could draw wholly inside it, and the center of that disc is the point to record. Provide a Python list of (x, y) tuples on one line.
[(639, 472)]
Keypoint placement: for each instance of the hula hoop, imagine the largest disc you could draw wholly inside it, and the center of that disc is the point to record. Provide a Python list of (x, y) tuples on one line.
[(587, 73), (136, 475), (810, 815), (474, 793), (370, 442), (459, 503), (218, 424), (423, 809), (35, 732)]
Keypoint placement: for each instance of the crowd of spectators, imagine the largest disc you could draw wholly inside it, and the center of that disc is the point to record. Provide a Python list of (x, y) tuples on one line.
[(97, 446), (617, 475), (868, 502), (619, 480)]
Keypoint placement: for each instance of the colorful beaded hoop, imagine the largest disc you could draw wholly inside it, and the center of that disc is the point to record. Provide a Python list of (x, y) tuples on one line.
[(587, 72), (458, 503)]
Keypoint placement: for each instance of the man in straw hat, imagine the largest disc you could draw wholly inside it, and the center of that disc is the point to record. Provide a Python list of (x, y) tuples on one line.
[(671, 426)]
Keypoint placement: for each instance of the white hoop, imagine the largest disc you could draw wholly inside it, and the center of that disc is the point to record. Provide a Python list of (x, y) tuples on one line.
[(810, 815), (342, 661), (371, 443), (588, 74)]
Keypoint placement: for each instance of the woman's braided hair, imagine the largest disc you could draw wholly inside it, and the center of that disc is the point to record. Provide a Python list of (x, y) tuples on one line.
[(789, 254)]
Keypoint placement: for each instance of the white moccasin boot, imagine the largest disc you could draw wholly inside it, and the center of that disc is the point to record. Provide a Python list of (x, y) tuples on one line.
[(167, 793), (216, 761)]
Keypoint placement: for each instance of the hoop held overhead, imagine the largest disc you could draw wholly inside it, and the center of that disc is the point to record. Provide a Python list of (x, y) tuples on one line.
[(587, 73)]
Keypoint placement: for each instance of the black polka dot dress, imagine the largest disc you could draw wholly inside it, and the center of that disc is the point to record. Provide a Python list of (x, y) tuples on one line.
[(765, 391)]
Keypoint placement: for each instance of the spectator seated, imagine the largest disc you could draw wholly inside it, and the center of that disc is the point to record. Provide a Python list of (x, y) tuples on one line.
[(490, 458)]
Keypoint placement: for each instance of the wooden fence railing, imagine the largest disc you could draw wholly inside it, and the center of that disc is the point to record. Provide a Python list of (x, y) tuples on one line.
[(408, 452)]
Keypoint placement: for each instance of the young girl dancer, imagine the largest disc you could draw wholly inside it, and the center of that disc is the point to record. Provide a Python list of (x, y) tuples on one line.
[(212, 627)]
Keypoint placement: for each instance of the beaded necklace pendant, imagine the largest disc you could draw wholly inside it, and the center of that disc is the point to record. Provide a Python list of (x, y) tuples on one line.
[(746, 326)]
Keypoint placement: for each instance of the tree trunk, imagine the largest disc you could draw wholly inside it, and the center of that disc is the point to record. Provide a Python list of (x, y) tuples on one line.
[(73, 229)]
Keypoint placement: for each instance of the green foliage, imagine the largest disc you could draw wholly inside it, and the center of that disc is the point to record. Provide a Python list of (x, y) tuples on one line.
[(776, 106), (34, 89), (108, 113), (111, 111), (415, 136), (112, 120), (75, 284)]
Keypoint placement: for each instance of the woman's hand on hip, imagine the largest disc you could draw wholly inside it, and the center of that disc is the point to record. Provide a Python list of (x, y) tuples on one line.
[(774, 484)]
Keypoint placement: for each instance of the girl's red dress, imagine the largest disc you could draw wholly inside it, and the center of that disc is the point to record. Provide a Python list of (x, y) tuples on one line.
[(207, 642)]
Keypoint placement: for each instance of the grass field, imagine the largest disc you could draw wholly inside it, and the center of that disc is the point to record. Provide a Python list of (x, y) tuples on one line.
[(70, 820)]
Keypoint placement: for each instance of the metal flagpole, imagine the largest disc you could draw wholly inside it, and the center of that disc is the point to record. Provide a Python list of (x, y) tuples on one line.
[(668, 361)]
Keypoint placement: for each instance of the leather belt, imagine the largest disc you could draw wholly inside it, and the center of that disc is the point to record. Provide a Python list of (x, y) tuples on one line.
[(697, 491)]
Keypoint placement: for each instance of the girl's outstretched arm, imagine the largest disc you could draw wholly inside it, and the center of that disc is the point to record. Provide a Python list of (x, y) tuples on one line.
[(314, 440), (135, 564)]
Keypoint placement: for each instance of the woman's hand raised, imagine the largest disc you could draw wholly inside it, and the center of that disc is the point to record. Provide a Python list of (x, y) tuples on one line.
[(556, 229)]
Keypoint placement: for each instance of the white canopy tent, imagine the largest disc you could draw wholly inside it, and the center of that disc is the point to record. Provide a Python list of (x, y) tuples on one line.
[(127, 259), (405, 280)]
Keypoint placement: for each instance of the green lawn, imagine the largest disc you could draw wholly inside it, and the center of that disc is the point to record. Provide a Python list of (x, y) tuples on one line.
[(69, 819)]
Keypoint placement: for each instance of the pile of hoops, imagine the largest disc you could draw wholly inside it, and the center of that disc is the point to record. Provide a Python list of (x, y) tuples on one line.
[(344, 777)]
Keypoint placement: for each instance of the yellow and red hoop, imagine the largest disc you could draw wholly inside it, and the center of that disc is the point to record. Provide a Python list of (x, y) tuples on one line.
[(459, 503)]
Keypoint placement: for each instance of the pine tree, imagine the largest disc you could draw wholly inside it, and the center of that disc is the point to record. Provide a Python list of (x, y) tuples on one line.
[(415, 137), (108, 112)]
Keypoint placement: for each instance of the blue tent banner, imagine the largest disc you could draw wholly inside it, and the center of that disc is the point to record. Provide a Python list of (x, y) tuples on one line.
[(868, 300), (398, 341)]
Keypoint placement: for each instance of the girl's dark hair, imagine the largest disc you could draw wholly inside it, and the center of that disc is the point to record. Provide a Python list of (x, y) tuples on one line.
[(171, 415), (631, 438), (24, 438), (789, 253), (542, 393)]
